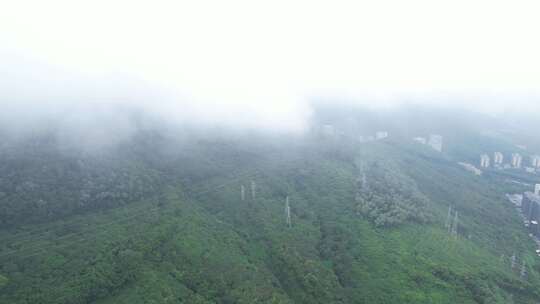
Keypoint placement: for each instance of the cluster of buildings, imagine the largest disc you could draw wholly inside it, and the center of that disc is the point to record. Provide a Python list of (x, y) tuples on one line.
[(378, 136), (516, 161), (484, 161), (330, 131), (528, 204), (530, 207), (434, 141), (498, 160)]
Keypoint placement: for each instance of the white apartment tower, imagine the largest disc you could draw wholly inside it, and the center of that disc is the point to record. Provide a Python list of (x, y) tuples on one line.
[(381, 134), (516, 160), (436, 142), (535, 161), (498, 158), (484, 161)]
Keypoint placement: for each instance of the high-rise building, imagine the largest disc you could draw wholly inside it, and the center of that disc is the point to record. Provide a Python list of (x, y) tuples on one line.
[(516, 160), (436, 142), (535, 161), (530, 206), (537, 189), (381, 134), (421, 140), (498, 158), (484, 161)]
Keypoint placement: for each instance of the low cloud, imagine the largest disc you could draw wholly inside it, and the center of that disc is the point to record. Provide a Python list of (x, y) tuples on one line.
[(244, 66)]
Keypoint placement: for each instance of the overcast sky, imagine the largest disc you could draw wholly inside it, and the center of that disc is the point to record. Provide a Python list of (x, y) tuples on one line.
[(259, 63)]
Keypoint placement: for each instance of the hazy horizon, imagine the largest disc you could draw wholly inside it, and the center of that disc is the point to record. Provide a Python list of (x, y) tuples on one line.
[(244, 66)]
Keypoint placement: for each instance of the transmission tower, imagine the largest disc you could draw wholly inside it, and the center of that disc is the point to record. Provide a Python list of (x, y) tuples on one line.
[(455, 225), (253, 188), (448, 222), (523, 272), (287, 212)]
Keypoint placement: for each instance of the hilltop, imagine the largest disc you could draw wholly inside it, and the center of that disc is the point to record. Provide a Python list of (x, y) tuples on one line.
[(162, 219)]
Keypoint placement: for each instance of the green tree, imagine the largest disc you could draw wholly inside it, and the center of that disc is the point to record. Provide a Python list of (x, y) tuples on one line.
[(3, 281)]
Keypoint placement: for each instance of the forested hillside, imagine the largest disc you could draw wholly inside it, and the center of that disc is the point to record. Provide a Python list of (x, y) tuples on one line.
[(164, 219)]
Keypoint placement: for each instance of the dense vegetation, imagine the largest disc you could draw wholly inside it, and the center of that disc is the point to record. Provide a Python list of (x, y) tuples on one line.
[(162, 220), (390, 198)]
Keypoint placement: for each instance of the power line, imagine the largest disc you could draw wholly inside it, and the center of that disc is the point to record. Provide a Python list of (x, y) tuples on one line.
[(56, 227), (38, 232), (93, 237), (132, 216)]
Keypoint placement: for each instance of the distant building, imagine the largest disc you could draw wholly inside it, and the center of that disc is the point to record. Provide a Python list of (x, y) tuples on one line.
[(535, 161), (436, 142), (471, 168), (534, 228), (484, 161), (421, 140), (530, 207), (516, 199), (530, 169), (516, 160), (381, 134), (537, 189), (498, 158), (328, 130)]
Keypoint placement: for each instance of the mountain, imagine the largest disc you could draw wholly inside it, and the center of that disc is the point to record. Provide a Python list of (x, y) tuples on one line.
[(162, 217)]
